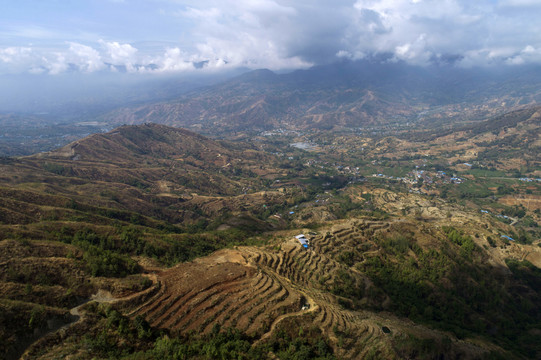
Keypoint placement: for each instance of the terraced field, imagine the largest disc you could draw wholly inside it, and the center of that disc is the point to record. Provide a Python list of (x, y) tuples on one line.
[(221, 289), (254, 289)]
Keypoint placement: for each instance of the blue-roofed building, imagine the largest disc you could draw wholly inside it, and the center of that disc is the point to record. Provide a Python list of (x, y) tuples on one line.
[(303, 240)]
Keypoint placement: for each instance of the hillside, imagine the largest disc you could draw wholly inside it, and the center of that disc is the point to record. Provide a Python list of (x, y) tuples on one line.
[(345, 95), (507, 141), (185, 245), (150, 169), (70, 216)]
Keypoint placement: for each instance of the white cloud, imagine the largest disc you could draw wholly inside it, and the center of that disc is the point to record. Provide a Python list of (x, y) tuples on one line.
[(528, 55), (252, 33), (58, 65), (173, 60), (17, 59), (280, 34), (85, 58), (414, 52), (14, 54), (120, 55)]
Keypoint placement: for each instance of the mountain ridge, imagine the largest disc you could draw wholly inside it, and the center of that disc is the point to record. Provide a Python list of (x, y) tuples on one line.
[(133, 141), (345, 95)]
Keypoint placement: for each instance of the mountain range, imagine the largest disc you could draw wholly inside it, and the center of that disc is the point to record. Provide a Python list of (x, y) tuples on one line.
[(343, 96), (346, 96)]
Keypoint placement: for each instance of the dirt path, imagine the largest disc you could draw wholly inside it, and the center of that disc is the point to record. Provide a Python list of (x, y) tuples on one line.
[(102, 296), (312, 307), (76, 315)]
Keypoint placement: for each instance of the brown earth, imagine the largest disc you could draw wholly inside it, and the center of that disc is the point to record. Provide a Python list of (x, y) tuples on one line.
[(257, 289), (530, 202)]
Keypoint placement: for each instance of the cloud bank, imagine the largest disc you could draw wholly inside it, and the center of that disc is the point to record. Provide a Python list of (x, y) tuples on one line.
[(211, 35)]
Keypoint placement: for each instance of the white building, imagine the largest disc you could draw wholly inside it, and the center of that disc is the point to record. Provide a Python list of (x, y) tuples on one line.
[(303, 240)]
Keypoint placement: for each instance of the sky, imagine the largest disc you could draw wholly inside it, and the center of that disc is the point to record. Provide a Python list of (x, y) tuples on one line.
[(54, 37)]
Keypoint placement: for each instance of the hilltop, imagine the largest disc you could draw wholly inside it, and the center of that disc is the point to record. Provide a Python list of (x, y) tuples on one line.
[(154, 164)]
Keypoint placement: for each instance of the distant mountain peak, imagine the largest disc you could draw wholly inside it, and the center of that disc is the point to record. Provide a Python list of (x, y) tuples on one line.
[(257, 75), (334, 96)]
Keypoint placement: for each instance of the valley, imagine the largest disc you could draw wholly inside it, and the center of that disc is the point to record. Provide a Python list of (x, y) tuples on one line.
[(423, 243)]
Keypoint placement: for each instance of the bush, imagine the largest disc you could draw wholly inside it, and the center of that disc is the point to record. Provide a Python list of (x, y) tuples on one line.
[(107, 263), (467, 246), (397, 244)]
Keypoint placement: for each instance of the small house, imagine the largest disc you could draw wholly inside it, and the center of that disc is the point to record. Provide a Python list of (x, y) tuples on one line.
[(303, 240)]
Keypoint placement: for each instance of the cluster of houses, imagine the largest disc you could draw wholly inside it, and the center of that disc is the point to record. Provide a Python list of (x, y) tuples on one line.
[(280, 132), (501, 216), (525, 179), (429, 178)]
